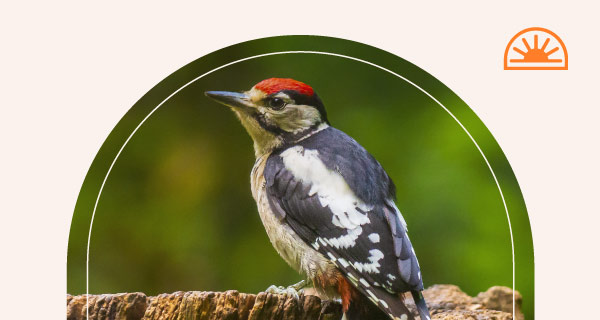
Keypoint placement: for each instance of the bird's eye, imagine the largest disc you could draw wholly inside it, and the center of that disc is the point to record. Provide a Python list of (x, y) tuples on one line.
[(276, 103)]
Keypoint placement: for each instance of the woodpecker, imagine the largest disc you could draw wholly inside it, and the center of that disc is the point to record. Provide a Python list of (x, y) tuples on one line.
[(327, 205)]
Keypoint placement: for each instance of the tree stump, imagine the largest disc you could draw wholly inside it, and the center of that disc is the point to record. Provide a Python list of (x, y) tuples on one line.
[(445, 302)]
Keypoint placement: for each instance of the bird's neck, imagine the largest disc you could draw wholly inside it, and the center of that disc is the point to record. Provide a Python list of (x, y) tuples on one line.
[(308, 133), (266, 146)]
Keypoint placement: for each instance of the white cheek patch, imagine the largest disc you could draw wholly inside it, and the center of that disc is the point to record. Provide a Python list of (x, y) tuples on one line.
[(294, 118), (331, 188)]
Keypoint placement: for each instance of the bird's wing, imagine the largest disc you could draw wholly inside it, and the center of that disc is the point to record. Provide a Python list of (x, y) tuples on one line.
[(367, 241)]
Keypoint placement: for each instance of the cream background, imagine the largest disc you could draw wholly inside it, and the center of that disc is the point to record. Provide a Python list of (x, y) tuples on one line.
[(56, 54)]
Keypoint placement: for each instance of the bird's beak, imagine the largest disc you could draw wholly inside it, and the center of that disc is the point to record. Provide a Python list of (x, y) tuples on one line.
[(231, 99)]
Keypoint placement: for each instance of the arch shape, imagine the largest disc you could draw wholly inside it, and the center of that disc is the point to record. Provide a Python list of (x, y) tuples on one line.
[(89, 199), (536, 58)]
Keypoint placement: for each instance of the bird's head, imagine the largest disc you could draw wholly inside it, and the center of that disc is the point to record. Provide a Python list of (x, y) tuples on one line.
[(276, 111)]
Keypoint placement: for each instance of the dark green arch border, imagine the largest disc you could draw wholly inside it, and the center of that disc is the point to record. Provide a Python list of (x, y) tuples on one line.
[(523, 268)]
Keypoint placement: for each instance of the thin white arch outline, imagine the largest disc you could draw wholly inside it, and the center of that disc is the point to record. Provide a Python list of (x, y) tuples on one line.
[(87, 262)]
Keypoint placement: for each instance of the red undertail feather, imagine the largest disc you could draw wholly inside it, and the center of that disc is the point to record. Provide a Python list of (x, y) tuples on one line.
[(346, 292)]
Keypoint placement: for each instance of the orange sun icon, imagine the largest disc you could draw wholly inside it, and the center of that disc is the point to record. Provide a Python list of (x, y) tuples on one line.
[(536, 58)]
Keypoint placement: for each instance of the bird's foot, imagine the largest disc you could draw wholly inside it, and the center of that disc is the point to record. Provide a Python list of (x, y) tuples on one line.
[(288, 292), (293, 291)]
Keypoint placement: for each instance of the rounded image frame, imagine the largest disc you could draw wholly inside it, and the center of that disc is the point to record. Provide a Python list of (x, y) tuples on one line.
[(305, 54)]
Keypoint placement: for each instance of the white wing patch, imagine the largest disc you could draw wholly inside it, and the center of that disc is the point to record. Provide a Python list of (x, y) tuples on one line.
[(330, 186), (334, 193), (343, 262), (374, 237), (370, 267), (342, 242)]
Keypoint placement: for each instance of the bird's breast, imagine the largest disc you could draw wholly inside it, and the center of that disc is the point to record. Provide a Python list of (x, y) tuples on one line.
[(289, 246), (299, 255)]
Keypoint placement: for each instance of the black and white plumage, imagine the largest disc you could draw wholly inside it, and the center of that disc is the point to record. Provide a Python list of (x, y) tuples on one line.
[(327, 204), (339, 199)]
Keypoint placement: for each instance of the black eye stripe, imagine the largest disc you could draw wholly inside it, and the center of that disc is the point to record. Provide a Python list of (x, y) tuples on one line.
[(260, 118)]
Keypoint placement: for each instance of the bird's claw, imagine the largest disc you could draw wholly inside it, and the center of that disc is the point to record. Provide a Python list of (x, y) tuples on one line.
[(292, 291)]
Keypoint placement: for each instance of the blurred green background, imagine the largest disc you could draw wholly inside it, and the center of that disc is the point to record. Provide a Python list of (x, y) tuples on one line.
[(176, 212)]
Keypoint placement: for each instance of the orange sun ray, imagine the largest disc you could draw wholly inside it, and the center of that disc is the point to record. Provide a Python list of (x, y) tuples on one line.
[(535, 41), (519, 51), (551, 51), (545, 44), (526, 45)]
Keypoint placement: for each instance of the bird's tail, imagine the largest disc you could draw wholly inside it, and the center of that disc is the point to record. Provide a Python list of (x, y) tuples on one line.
[(361, 308), (421, 305)]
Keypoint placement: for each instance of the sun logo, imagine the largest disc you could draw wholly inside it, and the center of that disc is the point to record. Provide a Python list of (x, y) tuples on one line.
[(524, 51)]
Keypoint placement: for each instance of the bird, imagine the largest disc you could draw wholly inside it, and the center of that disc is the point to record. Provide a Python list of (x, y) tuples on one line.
[(327, 205)]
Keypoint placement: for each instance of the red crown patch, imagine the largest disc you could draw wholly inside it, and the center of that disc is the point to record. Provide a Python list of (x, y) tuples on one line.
[(273, 85)]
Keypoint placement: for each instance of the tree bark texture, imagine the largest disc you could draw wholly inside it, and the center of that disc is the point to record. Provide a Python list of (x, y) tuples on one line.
[(445, 302)]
